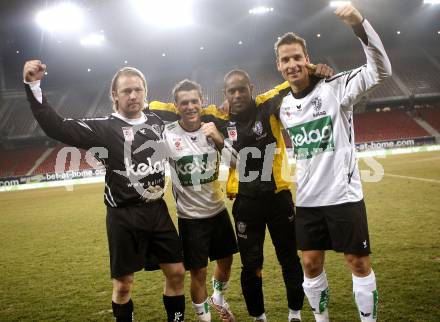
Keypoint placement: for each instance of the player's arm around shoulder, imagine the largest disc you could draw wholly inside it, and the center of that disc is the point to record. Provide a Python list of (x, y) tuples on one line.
[(271, 100), (216, 113), (166, 111)]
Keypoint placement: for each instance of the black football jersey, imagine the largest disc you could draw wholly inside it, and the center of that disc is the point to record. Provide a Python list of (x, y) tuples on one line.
[(134, 155)]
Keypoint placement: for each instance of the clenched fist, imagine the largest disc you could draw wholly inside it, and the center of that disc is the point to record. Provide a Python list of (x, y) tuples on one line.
[(33, 70), (210, 131), (349, 15)]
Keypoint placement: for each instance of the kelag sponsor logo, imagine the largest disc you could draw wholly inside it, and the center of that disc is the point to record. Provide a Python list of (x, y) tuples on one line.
[(312, 138), (197, 169), (144, 169)]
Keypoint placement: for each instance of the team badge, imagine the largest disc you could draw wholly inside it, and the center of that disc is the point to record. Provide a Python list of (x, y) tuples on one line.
[(289, 115), (258, 128), (232, 133), (156, 129), (241, 227), (178, 143), (128, 133), (317, 103)]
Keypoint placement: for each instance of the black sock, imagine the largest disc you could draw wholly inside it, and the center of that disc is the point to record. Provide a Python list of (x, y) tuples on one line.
[(252, 288), (123, 312), (175, 307)]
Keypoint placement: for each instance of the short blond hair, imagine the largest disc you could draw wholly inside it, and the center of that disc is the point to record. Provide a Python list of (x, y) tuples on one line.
[(126, 71)]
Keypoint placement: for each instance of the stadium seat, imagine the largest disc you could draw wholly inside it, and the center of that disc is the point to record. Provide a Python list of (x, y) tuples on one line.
[(382, 126)]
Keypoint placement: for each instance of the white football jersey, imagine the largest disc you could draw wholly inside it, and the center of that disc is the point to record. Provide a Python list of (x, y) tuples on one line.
[(320, 125), (194, 164)]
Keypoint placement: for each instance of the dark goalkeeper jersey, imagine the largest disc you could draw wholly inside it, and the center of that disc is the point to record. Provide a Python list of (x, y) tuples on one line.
[(255, 135), (134, 155)]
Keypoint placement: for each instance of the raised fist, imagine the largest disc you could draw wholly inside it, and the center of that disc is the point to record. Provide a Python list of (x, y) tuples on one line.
[(33, 70), (349, 15)]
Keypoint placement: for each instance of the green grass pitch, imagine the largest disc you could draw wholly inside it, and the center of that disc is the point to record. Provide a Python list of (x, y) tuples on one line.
[(54, 257)]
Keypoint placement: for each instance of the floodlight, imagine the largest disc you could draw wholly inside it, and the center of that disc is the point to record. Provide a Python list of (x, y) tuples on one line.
[(64, 17), (339, 3), (260, 10), (431, 2), (165, 13), (92, 40)]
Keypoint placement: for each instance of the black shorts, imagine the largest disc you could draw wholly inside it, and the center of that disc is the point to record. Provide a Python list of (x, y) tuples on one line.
[(252, 215), (343, 228), (212, 238), (141, 237)]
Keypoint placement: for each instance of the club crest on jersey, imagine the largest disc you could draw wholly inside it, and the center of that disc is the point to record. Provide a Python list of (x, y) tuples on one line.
[(317, 104), (128, 133), (156, 129), (232, 133), (178, 144), (258, 128), (288, 111)]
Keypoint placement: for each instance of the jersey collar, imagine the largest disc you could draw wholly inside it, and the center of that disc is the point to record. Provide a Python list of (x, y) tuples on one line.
[(313, 81), (245, 115)]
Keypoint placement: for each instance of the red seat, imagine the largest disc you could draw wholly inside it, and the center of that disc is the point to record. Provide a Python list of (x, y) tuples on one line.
[(384, 126)]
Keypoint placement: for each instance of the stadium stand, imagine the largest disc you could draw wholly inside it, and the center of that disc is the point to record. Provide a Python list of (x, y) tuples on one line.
[(17, 162), (388, 88), (432, 116), (392, 125), (423, 79), (48, 165), (83, 100)]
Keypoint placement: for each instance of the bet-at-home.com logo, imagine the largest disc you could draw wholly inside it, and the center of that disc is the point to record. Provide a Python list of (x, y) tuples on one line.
[(197, 169), (312, 138)]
